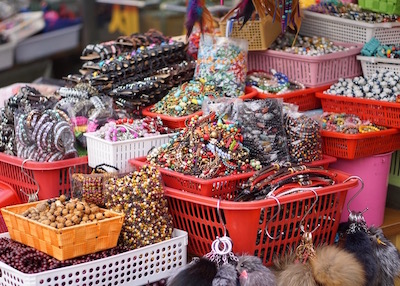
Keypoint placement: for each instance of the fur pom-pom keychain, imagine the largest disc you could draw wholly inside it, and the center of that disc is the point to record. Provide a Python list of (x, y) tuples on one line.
[(333, 266), (252, 272), (387, 255)]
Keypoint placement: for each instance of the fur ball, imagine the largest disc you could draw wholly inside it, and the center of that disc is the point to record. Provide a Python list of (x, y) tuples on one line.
[(198, 273), (226, 276), (253, 273), (296, 274), (333, 266), (360, 245), (387, 255)]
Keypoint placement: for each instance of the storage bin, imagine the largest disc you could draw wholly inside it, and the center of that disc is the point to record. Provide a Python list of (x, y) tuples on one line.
[(346, 30), (8, 197), (374, 171), (216, 187), (312, 71), (260, 33), (371, 64), (23, 25), (391, 7), (52, 179), (181, 121), (118, 153), (46, 44), (246, 222), (379, 112), (354, 146), (305, 98), (65, 243), (133, 268)]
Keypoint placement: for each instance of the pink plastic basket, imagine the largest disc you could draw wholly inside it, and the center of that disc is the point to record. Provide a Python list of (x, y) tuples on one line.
[(312, 71)]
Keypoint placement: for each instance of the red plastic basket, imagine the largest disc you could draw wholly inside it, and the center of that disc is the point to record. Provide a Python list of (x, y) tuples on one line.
[(304, 98), (353, 146), (312, 71), (246, 221), (379, 112), (216, 187), (8, 197), (180, 122), (52, 178)]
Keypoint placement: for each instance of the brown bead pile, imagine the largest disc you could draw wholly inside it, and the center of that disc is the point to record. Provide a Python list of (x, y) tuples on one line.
[(60, 213), (140, 196)]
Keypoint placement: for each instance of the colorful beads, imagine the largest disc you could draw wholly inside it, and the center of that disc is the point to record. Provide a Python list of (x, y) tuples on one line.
[(347, 123), (185, 99), (222, 62), (140, 196)]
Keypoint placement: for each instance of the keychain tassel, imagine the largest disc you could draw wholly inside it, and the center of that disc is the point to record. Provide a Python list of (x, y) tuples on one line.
[(197, 12)]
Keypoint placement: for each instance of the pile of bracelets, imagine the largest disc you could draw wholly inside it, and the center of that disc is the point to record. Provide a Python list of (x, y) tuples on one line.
[(274, 82), (347, 123), (125, 129), (353, 12), (307, 46), (209, 147), (185, 99), (44, 136)]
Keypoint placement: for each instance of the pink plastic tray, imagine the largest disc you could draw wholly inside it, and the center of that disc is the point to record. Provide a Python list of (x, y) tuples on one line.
[(312, 71)]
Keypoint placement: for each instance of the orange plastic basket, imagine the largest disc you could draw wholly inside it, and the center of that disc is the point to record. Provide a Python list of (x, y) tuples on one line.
[(304, 98), (52, 178), (246, 222), (65, 243), (180, 122), (353, 146), (216, 187), (377, 111)]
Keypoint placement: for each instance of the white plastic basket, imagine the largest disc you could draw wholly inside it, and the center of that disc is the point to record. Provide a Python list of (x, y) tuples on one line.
[(133, 268), (346, 30), (117, 154), (371, 64)]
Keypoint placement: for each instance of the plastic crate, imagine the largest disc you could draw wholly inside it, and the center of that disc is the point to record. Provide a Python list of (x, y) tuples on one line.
[(180, 122), (354, 146), (66, 243), (312, 71), (207, 187), (379, 112), (46, 44), (371, 64), (260, 34), (52, 178), (391, 7), (216, 187), (346, 30), (7, 55), (246, 221), (118, 153), (133, 268), (305, 98)]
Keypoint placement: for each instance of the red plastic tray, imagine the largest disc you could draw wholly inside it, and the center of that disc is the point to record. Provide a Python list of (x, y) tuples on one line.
[(246, 221), (353, 146), (217, 187), (180, 122), (52, 178), (304, 98), (377, 111)]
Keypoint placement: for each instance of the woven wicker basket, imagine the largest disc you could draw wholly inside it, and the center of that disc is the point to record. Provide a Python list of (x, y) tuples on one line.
[(260, 33), (62, 243)]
